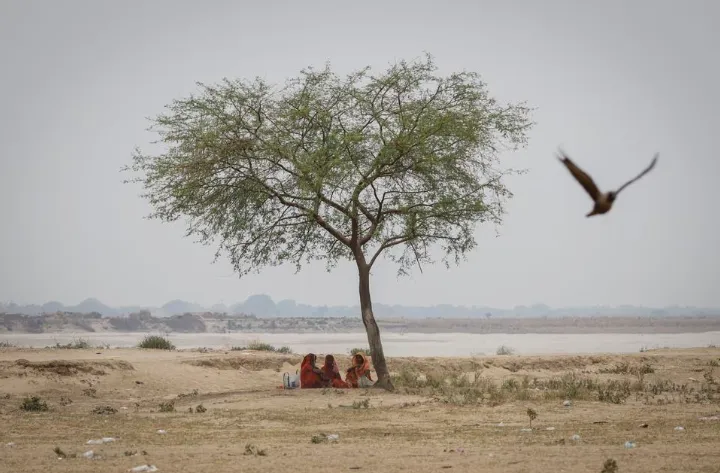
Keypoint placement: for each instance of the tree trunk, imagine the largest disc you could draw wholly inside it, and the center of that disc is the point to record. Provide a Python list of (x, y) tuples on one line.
[(371, 327)]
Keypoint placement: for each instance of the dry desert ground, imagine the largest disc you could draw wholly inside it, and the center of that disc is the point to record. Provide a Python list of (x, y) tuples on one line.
[(447, 414)]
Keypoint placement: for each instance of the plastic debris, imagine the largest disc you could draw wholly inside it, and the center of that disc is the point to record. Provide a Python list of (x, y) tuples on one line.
[(10, 444), (679, 427), (333, 437), (550, 428), (629, 444), (142, 468), (644, 426), (501, 424), (526, 430), (100, 441), (708, 418), (567, 403), (161, 431), (89, 454), (575, 438)]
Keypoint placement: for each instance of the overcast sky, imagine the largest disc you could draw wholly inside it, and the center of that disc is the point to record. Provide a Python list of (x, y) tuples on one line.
[(613, 82)]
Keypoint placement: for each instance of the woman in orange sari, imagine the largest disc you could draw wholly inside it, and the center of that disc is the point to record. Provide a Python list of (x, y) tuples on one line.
[(310, 375), (358, 375), (332, 372)]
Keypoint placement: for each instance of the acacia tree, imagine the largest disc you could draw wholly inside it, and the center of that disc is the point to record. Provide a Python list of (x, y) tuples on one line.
[(402, 164)]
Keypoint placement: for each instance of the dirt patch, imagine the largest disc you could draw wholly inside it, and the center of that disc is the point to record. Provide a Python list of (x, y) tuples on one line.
[(62, 367), (248, 363)]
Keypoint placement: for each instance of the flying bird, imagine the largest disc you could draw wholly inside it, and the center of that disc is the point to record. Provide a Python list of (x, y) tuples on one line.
[(603, 200)]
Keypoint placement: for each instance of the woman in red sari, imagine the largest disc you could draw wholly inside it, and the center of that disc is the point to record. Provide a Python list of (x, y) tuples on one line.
[(332, 372), (358, 375), (310, 375)]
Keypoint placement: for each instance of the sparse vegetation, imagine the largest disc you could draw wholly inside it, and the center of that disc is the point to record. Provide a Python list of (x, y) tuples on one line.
[(262, 346), (200, 409), (627, 368), (364, 404), (104, 410), (90, 392), (505, 350), (34, 404), (532, 415), (167, 406), (76, 344), (251, 449), (364, 351), (473, 388), (321, 438), (156, 342), (6, 344), (610, 466)]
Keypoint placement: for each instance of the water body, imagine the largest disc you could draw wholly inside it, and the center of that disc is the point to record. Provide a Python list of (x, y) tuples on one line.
[(408, 344)]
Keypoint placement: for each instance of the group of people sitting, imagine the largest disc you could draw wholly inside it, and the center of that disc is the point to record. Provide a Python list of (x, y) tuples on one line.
[(357, 376)]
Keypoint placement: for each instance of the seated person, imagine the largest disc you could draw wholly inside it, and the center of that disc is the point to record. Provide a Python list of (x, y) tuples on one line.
[(310, 375), (332, 372), (358, 375)]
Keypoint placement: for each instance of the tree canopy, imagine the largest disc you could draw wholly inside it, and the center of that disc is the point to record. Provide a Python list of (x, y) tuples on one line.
[(332, 168), (324, 165)]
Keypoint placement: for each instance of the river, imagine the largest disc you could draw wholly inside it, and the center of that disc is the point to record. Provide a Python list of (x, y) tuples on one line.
[(408, 344)]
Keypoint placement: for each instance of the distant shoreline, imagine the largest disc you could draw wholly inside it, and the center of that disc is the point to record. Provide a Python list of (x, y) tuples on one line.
[(89, 324)]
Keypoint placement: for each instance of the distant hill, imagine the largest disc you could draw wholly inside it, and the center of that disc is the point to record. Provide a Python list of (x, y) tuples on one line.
[(262, 305)]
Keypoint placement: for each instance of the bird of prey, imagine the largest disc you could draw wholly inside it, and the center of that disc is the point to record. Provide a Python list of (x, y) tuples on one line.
[(603, 200)]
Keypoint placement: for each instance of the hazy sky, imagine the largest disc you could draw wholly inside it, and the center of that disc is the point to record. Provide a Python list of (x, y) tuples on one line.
[(613, 82)]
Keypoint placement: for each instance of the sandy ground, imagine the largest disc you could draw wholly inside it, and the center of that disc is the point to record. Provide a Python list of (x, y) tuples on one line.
[(442, 424)]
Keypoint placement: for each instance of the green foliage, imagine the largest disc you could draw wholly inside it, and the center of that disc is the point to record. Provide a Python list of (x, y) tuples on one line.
[(331, 168), (610, 466), (156, 342), (34, 403), (532, 415), (167, 406), (362, 351), (262, 346)]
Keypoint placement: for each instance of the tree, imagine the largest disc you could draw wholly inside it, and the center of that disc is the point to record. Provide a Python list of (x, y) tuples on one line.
[(401, 164)]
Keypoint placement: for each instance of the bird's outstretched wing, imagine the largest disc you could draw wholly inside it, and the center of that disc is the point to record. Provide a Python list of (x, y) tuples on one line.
[(580, 176), (647, 170)]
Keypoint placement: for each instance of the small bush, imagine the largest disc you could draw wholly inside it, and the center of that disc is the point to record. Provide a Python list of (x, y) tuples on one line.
[(33, 404), (76, 344), (504, 350), (262, 346), (156, 342), (251, 449), (104, 410), (364, 404), (200, 409), (610, 466), (532, 415), (363, 351), (6, 344), (58, 451), (168, 406)]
